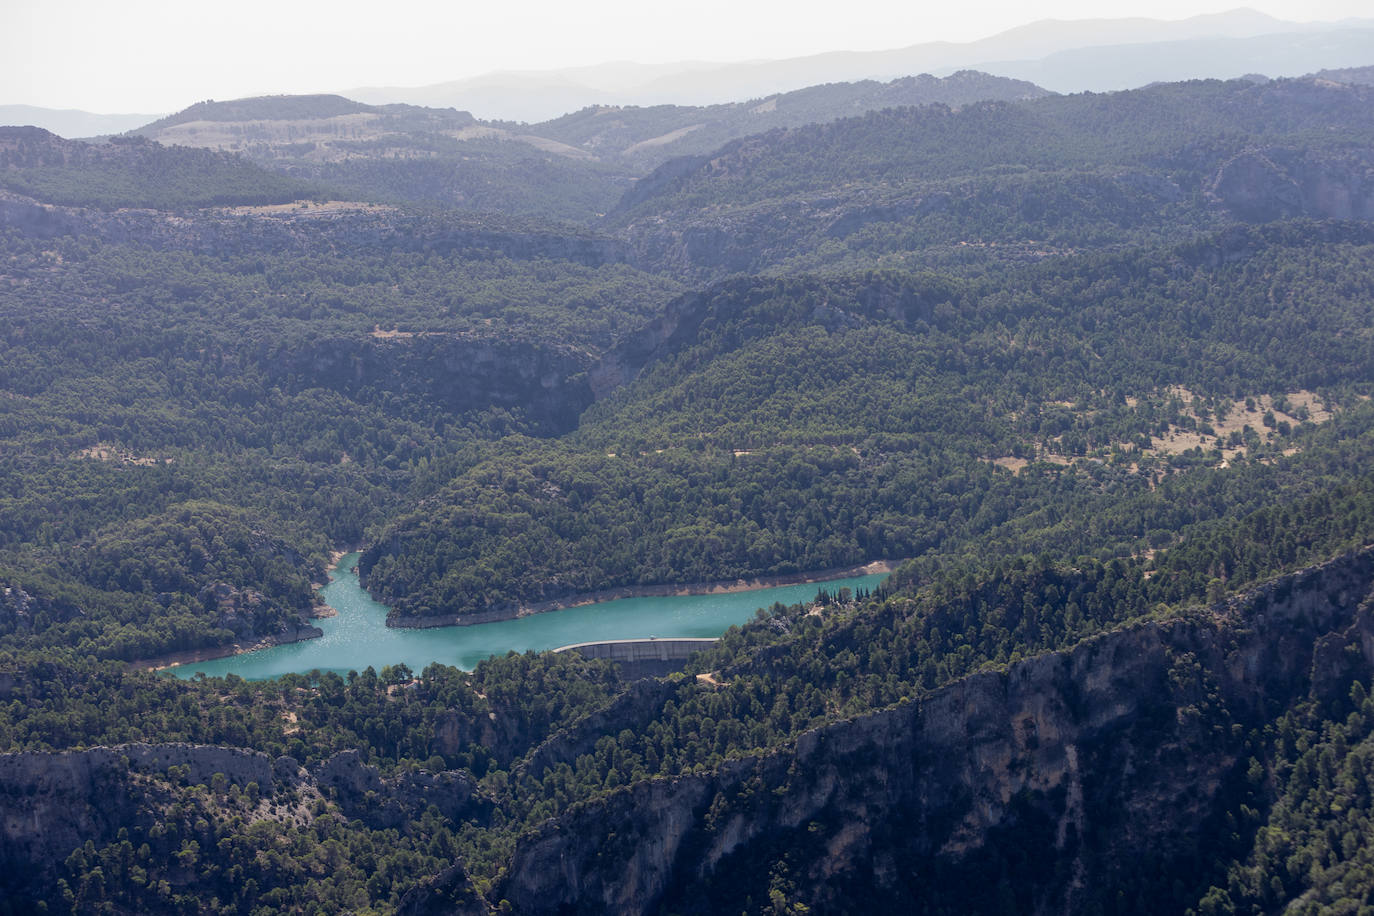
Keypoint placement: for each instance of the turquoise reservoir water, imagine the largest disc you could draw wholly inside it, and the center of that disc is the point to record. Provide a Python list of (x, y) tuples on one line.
[(358, 636)]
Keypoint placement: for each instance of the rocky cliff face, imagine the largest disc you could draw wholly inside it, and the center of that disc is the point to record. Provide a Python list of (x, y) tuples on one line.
[(1277, 183), (677, 325), (51, 804), (1064, 773), (544, 381), (363, 793)]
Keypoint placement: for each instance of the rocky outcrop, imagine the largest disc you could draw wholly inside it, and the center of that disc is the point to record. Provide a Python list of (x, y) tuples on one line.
[(386, 802), (677, 325), (635, 704), (51, 804), (1275, 183), (450, 893), (1066, 772), (36, 220), (238, 610), (17, 609)]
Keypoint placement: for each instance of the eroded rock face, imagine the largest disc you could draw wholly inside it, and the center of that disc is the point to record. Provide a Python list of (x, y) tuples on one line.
[(1274, 183), (362, 792), (17, 609), (51, 804), (457, 373), (1070, 770)]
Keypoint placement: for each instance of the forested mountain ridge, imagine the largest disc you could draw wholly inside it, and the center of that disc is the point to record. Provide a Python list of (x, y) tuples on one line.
[(577, 164), (650, 135), (276, 108), (1022, 181), (1037, 774), (1110, 412), (134, 173)]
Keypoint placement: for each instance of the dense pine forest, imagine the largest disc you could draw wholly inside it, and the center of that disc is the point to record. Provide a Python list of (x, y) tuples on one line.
[(1092, 372)]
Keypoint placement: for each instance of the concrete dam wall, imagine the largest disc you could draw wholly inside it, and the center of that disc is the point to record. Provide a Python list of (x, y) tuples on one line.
[(643, 657)]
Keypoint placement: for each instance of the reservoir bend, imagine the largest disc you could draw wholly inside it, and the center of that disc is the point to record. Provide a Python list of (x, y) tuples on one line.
[(358, 636)]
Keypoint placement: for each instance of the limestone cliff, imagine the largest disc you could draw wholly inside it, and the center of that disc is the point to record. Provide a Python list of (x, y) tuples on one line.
[(51, 804), (1279, 183), (544, 381), (1067, 771)]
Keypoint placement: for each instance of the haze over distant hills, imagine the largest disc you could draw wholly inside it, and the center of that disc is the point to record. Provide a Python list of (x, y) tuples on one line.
[(573, 167), (71, 122), (1063, 56), (1129, 66)]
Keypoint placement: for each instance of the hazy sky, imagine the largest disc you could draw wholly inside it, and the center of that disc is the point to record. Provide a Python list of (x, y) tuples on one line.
[(161, 55)]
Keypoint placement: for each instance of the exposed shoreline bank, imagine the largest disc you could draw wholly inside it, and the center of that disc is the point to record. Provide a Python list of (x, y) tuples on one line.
[(190, 656), (722, 587), (302, 633)]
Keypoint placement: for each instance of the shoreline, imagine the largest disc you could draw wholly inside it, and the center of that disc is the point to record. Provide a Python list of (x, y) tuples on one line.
[(191, 656), (302, 633), (719, 587)]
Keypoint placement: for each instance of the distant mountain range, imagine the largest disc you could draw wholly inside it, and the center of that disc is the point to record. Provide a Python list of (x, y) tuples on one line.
[(1060, 56), (335, 128), (1129, 66), (580, 163), (71, 122), (1063, 56)]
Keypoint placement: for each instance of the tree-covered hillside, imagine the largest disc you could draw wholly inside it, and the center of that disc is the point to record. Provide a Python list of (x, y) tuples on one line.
[(571, 168), (130, 172), (1012, 181), (1093, 373), (649, 136), (806, 424)]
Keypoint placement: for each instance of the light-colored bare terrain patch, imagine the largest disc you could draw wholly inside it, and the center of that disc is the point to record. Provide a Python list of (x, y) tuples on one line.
[(1222, 427), (478, 132), (390, 335), (238, 135), (544, 144), (671, 137), (308, 208), (1015, 465), (101, 452), (1237, 418), (770, 105)]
